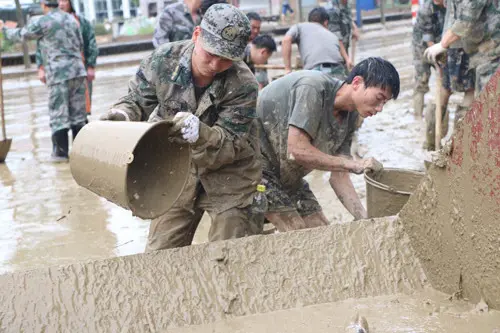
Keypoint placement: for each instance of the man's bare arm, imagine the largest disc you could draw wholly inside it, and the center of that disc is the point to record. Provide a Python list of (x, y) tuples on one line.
[(344, 189)]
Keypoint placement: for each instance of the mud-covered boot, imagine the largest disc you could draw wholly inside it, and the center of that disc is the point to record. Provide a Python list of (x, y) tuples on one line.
[(418, 104), (60, 146), (75, 130)]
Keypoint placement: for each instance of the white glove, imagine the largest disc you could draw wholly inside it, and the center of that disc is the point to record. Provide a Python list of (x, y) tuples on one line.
[(190, 126), (432, 52)]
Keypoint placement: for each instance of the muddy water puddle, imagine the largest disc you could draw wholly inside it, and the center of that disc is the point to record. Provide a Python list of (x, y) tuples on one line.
[(46, 219)]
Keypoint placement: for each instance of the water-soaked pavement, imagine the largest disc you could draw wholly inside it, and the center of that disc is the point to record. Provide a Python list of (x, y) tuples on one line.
[(46, 219)]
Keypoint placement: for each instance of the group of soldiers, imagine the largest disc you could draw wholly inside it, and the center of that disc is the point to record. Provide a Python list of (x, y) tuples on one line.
[(461, 39), (241, 137), (66, 59)]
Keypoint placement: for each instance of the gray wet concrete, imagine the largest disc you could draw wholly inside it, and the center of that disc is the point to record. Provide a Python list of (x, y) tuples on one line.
[(46, 219)]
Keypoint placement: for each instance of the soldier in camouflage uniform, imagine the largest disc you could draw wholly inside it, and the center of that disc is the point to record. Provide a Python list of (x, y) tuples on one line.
[(177, 22), (258, 52), (426, 31), (308, 120), (61, 45), (476, 23), (209, 94), (90, 52), (341, 23)]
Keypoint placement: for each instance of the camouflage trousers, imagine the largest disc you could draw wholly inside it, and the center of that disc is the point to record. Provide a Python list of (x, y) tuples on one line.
[(460, 78), (298, 198), (67, 104), (337, 71), (176, 228)]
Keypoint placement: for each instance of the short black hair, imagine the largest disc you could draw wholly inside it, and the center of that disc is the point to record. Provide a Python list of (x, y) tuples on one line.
[(265, 41), (318, 15), (377, 72), (254, 16), (205, 4)]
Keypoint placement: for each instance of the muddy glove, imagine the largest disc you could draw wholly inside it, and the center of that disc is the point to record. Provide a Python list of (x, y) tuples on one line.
[(369, 164), (115, 115), (432, 53), (189, 126)]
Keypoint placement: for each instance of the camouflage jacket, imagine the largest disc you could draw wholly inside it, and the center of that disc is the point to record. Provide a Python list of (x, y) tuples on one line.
[(174, 24), (429, 24), (90, 50), (226, 156), (477, 22), (340, 21), (60, 43)]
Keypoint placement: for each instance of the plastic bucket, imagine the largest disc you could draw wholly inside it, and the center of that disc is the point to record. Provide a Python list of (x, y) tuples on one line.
[(389, 190), (132, 164)]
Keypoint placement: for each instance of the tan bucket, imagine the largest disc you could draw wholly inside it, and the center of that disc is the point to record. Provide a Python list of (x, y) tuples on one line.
[(132, 164), (388, 191)]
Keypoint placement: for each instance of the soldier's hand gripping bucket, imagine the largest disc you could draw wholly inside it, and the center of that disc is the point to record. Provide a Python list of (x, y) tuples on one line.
[(132, 164)]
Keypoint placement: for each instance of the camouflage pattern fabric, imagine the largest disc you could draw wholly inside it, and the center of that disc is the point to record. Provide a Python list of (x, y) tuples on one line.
[(225, 31), (227, 153), (67, 104), (340, 21), (428, 28), (459, 77), (60, 42), (305, 100), (339, 72), (174, 24), (477, 22), (299, 197)]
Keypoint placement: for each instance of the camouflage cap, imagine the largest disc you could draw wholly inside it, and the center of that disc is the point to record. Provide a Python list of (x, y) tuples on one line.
[(225, 31)]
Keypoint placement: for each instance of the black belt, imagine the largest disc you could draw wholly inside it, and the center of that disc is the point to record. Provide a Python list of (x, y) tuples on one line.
[(328, 64)]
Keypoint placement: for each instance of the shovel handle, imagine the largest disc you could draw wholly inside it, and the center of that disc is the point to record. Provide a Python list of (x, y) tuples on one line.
[(1, 94), (439, 108)]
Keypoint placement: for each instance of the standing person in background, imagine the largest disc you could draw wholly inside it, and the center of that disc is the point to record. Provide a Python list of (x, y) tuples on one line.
[(319, 48), (177, 22), (260, 74), (61, 46), (341, 23), (90, 51), (477, 24), (205, 4), (285, 8), (258, 52), (426, 31), (255, 24)]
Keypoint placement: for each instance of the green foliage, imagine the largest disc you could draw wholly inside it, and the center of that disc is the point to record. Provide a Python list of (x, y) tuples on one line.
[(147, 30)]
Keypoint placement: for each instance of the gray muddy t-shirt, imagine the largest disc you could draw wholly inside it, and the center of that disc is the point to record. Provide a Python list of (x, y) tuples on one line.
[(303, 99), (317, 45)]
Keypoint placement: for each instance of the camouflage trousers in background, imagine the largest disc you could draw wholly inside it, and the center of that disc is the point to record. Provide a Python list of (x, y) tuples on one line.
[(67, 104), (337, 71), (282, 199), (423, 70), (460, 78)]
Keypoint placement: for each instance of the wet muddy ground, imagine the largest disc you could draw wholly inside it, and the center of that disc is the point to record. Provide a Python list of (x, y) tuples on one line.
[(46, 219)]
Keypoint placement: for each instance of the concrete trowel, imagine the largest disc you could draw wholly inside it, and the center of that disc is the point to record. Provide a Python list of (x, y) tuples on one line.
[(5, 143)]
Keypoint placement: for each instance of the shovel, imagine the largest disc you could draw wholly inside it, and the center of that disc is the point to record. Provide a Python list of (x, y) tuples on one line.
[(5, 143)]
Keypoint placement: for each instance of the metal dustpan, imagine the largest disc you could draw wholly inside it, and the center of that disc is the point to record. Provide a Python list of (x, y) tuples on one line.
[(5, 143)]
